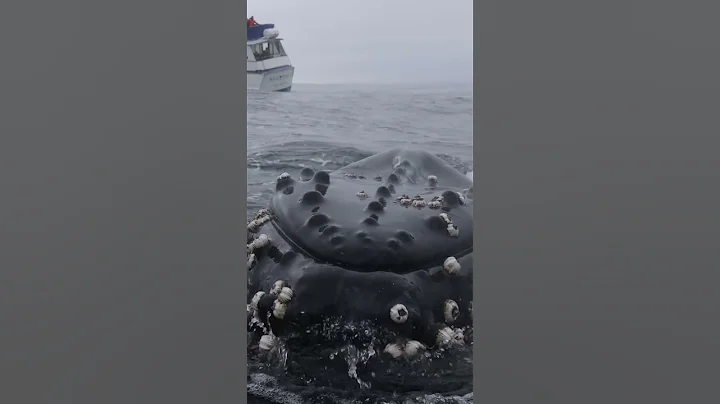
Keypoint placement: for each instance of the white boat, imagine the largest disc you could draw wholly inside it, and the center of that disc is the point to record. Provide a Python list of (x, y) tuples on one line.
[(268, 66)]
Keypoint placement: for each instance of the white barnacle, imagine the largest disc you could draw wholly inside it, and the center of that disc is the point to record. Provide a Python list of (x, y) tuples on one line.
[(395, 350), (258, 222), (412, 348), (461, 198), (451, 311), (286, 294), (432, 180), (277, 287), (399, 313), (434, 204), (255, 300), (261, 213), (451, 265), (251, 261), (253, 225), (446, 218), (458, 337), (419, 203), (453, 230), (445, 336), (279, 309), (260, 242), (283, 176), (267, 342), (405, 201), (361, 195)]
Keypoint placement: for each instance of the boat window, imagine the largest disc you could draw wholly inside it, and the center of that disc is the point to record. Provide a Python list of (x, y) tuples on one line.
[(267, 50), (280, 50)]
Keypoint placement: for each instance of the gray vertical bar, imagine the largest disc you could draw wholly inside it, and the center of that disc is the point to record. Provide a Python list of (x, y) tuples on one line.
[(122, 215), (596, 173)]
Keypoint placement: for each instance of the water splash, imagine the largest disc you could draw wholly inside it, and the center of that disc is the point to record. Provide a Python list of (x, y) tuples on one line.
[(353, 356), (267, 388)]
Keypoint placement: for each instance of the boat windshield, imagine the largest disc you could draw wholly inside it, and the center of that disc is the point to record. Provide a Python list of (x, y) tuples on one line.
[(268, 50)]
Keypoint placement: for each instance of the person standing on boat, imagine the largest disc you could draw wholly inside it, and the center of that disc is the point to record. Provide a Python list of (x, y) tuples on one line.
[(252, 22)]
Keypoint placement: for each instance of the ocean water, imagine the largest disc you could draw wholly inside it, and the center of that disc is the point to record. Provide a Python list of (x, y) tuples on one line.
[(327, 127)]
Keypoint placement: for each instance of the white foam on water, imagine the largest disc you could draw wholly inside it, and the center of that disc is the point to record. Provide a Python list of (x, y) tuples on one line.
[(320, 161), (265, 386)]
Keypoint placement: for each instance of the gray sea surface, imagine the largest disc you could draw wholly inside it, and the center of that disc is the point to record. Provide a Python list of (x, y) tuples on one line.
[(327, 127)]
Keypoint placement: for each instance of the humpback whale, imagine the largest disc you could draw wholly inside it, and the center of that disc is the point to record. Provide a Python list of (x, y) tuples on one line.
[(386, 241)]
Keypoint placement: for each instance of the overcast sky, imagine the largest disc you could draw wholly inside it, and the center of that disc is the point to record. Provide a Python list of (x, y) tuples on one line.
[(375, 41)]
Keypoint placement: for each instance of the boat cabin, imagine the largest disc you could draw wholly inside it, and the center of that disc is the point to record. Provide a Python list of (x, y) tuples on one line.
[(267, 49), (264, 49)]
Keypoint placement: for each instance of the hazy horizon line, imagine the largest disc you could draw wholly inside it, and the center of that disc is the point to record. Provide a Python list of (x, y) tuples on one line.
[(368, 82)]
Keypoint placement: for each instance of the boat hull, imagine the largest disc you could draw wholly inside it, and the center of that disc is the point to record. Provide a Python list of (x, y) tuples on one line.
[(277, 79)]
